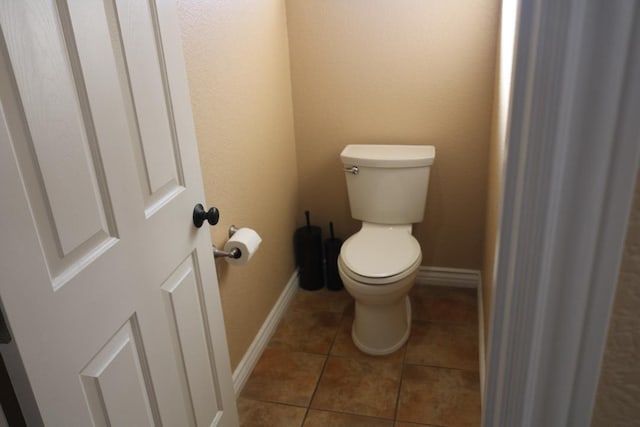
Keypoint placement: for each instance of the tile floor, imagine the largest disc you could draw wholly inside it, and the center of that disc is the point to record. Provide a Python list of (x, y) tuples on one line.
[(311, 374)]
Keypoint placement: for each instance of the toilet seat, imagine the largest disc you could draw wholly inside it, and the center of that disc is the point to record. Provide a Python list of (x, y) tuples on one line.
[(379, 255), (378, 281)]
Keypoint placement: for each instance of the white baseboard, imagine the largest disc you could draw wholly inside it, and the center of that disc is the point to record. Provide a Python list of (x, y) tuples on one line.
[(245, 367), (441, 276)]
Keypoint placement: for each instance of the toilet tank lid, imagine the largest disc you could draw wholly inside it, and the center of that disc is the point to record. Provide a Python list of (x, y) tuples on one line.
[(388, 156)]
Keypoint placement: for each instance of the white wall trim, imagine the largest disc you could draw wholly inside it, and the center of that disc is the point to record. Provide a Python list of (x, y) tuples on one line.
[(245, 367), (572, 154), (442, 276)]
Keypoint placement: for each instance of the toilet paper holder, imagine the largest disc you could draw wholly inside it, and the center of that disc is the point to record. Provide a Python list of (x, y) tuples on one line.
[(233, 253)]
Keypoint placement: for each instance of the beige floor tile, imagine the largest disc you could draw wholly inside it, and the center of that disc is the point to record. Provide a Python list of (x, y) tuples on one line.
[(445, 304), (443, 344), (320, 300), (362, 387), (312, 332), (333, 419), (440, 396), (253, 413), (343, 345), (284, 376)]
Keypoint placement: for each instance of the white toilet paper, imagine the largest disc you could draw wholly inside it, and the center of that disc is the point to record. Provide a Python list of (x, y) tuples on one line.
[(246, 241)]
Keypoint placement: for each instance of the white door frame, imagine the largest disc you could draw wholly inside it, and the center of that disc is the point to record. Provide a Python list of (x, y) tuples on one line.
[(572, 155)]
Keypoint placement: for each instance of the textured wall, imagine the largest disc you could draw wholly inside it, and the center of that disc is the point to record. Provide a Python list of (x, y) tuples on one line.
[(238, 68), (399, 72), (618, 398), (497, 147)]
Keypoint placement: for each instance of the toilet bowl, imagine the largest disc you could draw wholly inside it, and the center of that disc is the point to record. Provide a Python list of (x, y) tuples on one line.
[(378, 266), (387, 187)]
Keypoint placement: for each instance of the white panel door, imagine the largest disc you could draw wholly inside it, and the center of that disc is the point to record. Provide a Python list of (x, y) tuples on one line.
[(110, 291)]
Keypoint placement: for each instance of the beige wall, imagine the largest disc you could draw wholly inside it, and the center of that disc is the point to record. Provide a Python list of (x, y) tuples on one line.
[(499, 121), (618, 398), (411, 71), (238, 68), (398, 72)]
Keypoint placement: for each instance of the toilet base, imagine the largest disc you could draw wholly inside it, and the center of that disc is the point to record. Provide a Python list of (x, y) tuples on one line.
[(382, 334), (382, 320)]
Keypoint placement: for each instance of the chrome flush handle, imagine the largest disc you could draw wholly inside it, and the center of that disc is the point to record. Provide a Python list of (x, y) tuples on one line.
[(353, 170)]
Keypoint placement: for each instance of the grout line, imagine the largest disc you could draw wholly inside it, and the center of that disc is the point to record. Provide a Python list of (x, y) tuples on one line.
[(334, 411), (306, 413), (315, 390), (395, 412), (326, 360), (335, 337), (404, 363), (274, 402), (441, 367)]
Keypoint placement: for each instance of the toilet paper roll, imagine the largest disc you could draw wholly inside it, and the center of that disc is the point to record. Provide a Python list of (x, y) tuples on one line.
[(246, 241)]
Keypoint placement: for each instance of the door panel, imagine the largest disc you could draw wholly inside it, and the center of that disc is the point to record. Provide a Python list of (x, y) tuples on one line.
[(117, 383), (184, 296), (109, 289), (144, 75), (56, 125), (74, 216)]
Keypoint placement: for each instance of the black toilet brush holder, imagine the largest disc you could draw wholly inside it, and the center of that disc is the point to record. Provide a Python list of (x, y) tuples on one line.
[(307, 242)]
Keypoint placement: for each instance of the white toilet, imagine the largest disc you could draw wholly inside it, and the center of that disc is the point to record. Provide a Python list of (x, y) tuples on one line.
[(387, 186)]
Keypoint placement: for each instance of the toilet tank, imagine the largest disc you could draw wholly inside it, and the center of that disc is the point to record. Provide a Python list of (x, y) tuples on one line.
[(387, 184)]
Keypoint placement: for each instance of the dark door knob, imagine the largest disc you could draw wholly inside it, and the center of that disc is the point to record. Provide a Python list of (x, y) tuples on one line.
[(200, 215)]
